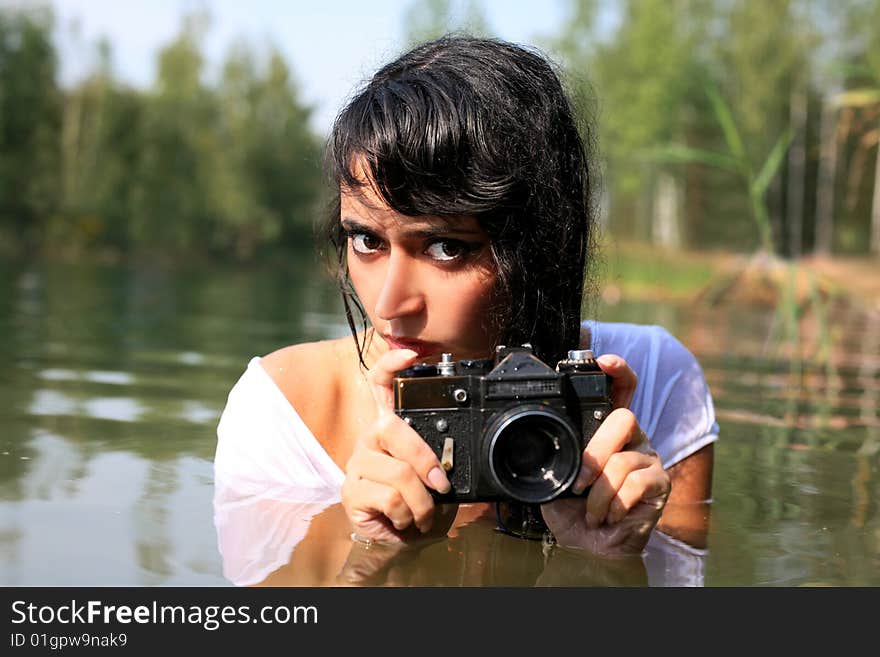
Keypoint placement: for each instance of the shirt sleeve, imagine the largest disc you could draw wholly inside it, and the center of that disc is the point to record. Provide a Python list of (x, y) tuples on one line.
[(672, 401)]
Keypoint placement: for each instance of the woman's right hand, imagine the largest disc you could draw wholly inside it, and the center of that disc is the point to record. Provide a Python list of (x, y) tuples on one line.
[(385, 492)]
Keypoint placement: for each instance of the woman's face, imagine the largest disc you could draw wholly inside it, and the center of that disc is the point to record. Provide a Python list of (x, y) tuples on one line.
[(425, 282)]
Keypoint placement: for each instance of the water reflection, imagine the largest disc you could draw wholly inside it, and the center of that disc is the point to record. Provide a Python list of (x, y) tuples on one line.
[(278, 542), (118, 409), (116, 378), (51, 402), (105, 518)]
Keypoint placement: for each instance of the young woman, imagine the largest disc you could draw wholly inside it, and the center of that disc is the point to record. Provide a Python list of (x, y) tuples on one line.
[(463, 220)]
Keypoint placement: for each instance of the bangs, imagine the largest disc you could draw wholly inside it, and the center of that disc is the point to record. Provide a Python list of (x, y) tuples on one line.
[(415, 141)]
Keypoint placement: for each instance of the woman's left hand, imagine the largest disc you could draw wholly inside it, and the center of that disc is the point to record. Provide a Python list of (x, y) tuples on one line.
[(629, 486)]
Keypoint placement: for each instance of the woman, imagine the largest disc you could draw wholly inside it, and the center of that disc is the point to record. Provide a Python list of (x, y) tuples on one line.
[(463, 220)]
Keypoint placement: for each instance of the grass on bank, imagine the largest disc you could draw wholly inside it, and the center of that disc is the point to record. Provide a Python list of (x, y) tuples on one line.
[(644, 271)]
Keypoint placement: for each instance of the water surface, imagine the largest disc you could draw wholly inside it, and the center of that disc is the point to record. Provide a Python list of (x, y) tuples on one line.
[(115, 377)]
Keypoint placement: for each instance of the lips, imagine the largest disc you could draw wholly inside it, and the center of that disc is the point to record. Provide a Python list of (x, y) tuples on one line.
[(421, 347)]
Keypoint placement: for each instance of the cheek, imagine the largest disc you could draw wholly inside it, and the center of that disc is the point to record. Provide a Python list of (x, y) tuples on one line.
[(475, 298), (362, 282)]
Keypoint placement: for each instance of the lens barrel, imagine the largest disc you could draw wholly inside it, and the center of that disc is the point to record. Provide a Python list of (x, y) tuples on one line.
[(534, 453)]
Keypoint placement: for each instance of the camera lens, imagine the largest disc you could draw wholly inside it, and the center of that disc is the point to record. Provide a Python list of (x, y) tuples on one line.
[(534, 453)]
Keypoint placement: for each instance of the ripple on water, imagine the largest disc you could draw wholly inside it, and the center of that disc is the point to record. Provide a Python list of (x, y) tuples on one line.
[(115, 378), (57, 374), (191, 358), (121, 409), (95, 376), (52, 402), (198, 413)]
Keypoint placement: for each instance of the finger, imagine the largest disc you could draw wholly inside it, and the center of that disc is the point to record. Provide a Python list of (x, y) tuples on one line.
[(624, 382), (619, 430), (401, 477), (381, 376), (648, 486), (397, 438), (362, 498), (619, 467)]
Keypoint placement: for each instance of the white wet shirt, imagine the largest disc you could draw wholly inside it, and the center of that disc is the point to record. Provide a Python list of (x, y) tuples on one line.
[(267, 460)]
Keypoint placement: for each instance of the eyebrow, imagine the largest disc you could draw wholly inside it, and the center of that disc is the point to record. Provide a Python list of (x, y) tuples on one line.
[(441, 228)]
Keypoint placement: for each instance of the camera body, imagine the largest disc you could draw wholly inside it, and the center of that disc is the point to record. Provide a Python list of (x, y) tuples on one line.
[(508, 428)]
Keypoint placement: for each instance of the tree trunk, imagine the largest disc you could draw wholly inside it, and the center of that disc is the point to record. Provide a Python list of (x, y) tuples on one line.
[(644, 219), (775, 203), (666, 228), (825, 183), (875, 206), (797, 166), (71, 124)]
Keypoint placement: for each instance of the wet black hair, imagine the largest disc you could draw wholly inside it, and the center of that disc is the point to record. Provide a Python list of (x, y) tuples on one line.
[(464, 126)]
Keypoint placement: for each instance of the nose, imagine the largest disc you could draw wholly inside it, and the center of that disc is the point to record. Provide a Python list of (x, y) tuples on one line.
[(400, 294)]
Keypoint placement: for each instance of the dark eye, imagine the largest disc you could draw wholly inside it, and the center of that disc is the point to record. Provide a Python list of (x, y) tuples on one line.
[(364, 243), (446, 250)]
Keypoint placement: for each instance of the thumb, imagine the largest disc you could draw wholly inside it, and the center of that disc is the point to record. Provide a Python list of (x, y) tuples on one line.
[(624, 382), (381, 376)]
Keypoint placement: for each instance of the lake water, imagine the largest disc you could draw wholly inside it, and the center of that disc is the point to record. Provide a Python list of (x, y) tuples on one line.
[(114, 378)]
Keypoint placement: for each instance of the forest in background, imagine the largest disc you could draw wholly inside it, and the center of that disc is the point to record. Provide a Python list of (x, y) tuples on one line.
[(721, 125)]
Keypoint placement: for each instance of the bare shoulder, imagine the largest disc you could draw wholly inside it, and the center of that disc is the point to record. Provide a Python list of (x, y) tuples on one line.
[(307, 373), (316, 378), (297, 356)]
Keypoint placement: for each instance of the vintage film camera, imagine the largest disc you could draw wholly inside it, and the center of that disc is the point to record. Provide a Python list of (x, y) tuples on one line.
[(508, 428)]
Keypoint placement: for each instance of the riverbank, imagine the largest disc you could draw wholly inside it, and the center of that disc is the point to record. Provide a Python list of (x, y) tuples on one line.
[(859, 278), (638, 271)]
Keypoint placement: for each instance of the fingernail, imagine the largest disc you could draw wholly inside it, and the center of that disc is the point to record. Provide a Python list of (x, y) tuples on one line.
[(584, 479), (606, 360), (437, 479)]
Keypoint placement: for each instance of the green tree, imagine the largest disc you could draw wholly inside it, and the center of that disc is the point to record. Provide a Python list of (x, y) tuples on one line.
[(738, 161), (101, 147), (763, 64), (643, 76), (172, 204), (863, 29), (268, 177), (30, 122), (429, 19)]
